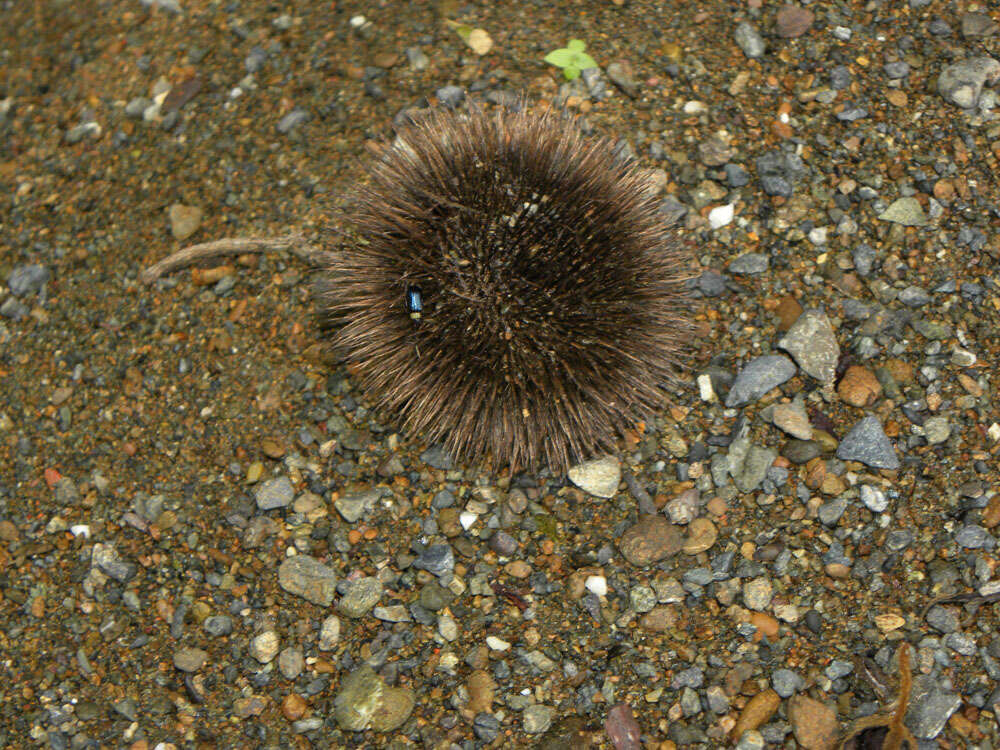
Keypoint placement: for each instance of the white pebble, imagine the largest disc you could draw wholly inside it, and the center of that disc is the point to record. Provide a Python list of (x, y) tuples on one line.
[(720, 216), (705, 389), (496, 644), (597, 585)]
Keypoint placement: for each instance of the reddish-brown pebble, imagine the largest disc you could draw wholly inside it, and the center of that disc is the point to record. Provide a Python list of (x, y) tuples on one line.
[(757, 711), (814, 723)]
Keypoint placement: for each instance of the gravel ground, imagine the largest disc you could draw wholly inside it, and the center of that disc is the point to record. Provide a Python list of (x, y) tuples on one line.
[(208, 539)]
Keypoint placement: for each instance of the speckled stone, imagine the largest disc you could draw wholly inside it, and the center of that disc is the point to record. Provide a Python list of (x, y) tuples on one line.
[(309, 578)]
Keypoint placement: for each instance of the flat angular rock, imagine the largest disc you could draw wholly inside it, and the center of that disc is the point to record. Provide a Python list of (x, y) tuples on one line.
[(190, 659), (275, 493), (27, 279), (309, 578), (363, 594), (599, 477), (867, 443), (930, 707), (906, 211), (962, 83), (758, 461), (758, 377), (813, 345)]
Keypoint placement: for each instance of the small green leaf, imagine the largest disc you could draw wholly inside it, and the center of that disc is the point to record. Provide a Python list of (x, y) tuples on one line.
[(583, 61), (462, 29), (560, 58), (571, 72), (576, 45)]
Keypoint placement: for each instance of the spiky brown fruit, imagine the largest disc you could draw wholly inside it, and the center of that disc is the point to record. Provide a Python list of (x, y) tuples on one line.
[(551, 287)]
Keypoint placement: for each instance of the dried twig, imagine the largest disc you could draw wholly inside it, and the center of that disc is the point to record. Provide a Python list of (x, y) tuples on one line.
[(293, 243), (893, 719)]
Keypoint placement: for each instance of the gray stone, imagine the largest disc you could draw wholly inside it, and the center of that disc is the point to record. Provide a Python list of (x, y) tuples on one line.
[(392, 613), (354, 505), (852, 113), (754, 469), (894, 70), (538, 718), (758, 377), (416, 58), (944, 619), (977, 25), (437, 559), (255, 60), (718, 701), (599, 477), (218, 625), (27, 279), (190, 659), (85, 130), (873, 498), (838, 668), (750, 264), (309, 578), (962, 83), (779, 171), (830, 512), (974, 537), (801, 451), (930, 707), (672, 210), (292, 120), (867, 443), (437, 457), (620, 76), (105, 558), (486, 726), (736, 175), (684, 508), (363, 594), (450, 96), (749, 40), (137, 107), (813, 344), (906, 211), (786, 683), (291, 662), (13, 309), (914, 296), (169, 5), (274, 493), (595, 84), (692, 677)]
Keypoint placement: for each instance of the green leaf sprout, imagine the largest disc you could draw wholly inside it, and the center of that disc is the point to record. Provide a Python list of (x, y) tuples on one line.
[(571, 58)]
